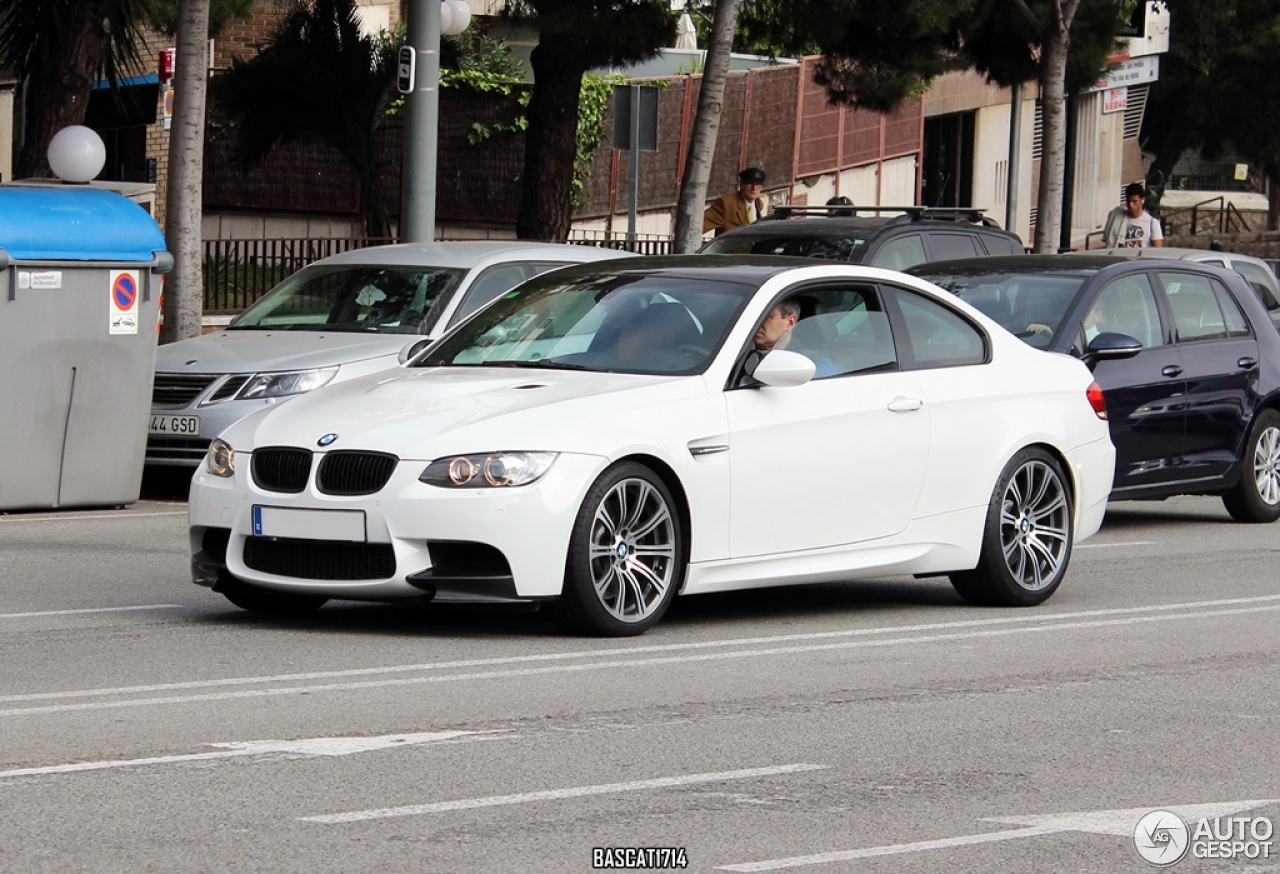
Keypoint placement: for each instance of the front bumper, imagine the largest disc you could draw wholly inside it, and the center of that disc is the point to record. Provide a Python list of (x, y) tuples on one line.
[(465, 545)]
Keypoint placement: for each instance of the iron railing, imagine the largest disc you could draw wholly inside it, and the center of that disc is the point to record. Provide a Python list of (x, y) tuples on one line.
[(238, 272), (642, 244), (1205, 216)]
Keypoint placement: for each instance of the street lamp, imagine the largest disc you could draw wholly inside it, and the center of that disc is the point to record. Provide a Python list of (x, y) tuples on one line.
[(426, 20)]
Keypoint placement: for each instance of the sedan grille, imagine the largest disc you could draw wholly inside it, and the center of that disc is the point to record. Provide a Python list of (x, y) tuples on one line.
[(176, 450), (281, 468), (345, 472), (173, 391), (320, 559)]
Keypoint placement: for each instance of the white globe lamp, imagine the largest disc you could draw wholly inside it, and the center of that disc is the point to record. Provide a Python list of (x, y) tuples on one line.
[(458, 15), (76, 154)]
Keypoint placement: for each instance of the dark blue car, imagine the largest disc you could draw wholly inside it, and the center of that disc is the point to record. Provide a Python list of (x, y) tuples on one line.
[(1186, 354)]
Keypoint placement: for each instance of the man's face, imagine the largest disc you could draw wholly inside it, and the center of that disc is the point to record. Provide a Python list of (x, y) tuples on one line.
[(1134, 204), (773, 328), (750, 190)]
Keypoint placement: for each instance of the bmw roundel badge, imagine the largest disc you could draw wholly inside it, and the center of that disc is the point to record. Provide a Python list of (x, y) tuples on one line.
[(327, 440)]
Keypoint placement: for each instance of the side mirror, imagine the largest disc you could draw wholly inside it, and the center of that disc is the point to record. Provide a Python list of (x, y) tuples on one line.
[(781, 368), (1110, 346), (409, 352)]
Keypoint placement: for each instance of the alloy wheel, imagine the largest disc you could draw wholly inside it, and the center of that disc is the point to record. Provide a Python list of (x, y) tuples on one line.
[(633, 550), (1266, 466), (1034, 525)]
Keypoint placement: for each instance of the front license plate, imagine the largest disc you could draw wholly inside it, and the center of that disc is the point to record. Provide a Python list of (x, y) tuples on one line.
[(176, 426), (309, 524)]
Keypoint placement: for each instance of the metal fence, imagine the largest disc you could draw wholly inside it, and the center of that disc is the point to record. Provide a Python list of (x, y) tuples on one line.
[(238, 272)]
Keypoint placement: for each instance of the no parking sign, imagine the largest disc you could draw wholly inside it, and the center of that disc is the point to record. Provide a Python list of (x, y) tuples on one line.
[(124, 302)]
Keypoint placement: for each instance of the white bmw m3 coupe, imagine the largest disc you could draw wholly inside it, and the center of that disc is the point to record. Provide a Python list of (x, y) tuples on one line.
[(609, 436)]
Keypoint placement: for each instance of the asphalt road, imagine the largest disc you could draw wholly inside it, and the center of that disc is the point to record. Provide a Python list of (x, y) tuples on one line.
[(149, 726)]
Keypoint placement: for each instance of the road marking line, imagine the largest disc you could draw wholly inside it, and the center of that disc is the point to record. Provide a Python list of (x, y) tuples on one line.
[(1108, 545), (1118, 823), (316, 746), (888, 850), (74, 518), (606, 665), (558, 794), (1027, 617), (90, 610)]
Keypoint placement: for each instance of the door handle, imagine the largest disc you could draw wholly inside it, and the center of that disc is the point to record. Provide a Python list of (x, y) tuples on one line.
[(1171, 370), (902, 404), (1246, 363)]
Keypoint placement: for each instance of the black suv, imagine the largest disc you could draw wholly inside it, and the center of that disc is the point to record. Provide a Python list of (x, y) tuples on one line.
[(839, 233)]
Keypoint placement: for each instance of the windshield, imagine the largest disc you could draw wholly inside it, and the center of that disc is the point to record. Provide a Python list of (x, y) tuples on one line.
[(613, 322), (830, 247), (403, 299), (1030, 306)]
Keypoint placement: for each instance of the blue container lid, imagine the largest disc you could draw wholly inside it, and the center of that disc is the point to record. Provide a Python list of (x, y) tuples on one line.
[(75, 223)]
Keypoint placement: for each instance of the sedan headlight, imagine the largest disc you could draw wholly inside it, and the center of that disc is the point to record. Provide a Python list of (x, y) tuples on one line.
[(488, 470), (293, 382), (220, 460)]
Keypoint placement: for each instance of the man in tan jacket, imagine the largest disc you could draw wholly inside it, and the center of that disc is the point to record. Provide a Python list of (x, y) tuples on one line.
[(741, 207)]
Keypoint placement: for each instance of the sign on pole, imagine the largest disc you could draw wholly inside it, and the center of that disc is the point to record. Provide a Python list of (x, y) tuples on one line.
[(408, 65)]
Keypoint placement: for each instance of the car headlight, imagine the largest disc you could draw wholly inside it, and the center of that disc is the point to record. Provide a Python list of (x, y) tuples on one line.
[(487, 470), (293, 382), (220, 460)]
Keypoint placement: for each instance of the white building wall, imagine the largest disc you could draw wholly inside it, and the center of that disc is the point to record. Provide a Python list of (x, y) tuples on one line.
[(991, 160), (897, 182)]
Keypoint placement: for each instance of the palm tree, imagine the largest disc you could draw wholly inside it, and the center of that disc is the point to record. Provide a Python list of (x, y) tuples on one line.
[(319, 76), (58, 49)]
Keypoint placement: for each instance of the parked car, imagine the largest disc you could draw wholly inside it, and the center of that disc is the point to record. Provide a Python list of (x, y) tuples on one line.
[(338, 318), (1255, 271), (916, 235), (1185, 353), (601, 438)]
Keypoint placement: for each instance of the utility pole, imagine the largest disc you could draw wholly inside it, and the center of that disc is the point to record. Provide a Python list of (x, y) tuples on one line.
[(421, 125)]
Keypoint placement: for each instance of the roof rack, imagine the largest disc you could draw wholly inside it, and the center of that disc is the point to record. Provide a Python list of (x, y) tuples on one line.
[(910, 213)]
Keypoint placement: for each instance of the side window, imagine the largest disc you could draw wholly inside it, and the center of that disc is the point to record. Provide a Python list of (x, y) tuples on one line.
[(488, 285), (1236, 324), (1196, 313), (844, 331), (537, 268), (937, 336), (945, 247), (1263, 282), (1126, 306), (1002, 245), (900, 253)]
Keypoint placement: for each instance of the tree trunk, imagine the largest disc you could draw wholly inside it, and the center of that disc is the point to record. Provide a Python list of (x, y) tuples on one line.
[(373, 208), (184, 199), (62, 83), (551, 144), (706, 128), (1053, 74)]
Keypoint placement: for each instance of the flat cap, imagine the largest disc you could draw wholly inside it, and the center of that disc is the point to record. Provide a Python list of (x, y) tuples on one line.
[(753, 175)]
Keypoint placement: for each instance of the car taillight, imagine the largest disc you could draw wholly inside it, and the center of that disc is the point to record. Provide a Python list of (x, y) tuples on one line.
[(1096, 400)]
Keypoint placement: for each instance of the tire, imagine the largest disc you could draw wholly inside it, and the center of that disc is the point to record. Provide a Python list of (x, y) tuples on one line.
[(268, 602), (626, 555), (1256, 498), (1027, 540)]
